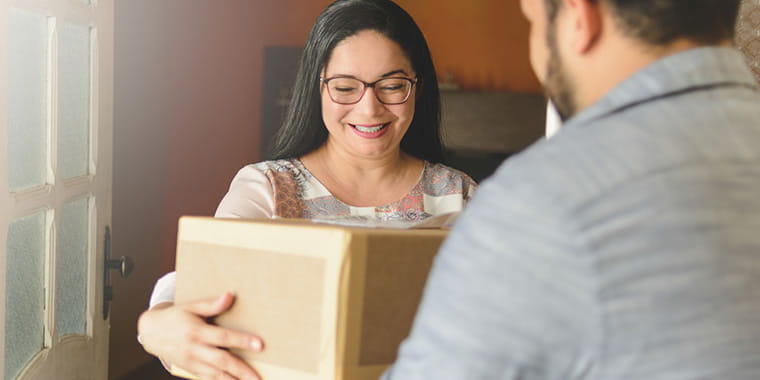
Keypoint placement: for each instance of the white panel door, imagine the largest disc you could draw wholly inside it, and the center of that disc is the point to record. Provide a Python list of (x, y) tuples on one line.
[(56, 82)]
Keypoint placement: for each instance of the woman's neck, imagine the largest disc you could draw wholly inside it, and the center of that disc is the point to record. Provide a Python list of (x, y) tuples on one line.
[(363, 181)]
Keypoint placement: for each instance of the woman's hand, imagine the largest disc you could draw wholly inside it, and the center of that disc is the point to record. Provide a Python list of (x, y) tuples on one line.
[(179, 334)]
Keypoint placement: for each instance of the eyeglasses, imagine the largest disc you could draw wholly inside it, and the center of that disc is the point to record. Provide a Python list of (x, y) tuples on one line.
[(389, 91)]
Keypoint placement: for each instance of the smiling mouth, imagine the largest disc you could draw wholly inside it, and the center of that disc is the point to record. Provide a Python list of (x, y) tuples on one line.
[(369, 128)]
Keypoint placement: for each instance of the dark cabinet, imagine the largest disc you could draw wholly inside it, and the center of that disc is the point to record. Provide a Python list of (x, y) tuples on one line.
[(280, 67)]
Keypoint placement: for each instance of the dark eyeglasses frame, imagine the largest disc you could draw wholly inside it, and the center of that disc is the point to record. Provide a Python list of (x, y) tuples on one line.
[(413, 81)]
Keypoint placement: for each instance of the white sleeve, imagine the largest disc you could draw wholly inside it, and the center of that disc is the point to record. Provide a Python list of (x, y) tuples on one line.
[(250, 196), (163, 291)]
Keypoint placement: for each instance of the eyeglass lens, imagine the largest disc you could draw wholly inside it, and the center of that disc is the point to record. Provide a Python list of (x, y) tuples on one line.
[(388, 90)]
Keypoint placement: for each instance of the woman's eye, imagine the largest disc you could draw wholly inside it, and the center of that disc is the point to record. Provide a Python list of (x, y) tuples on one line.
[(345, 89), (392, 87)]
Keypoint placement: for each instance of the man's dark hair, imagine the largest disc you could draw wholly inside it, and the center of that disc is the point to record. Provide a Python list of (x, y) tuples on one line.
[(659, 22), (303, 129)]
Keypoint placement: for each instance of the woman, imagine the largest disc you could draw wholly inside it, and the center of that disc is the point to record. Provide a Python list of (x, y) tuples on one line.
[(361, 138)]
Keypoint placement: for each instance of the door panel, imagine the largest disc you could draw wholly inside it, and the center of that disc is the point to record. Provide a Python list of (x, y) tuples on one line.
[(27, 87), (24, 284), (55, 186)]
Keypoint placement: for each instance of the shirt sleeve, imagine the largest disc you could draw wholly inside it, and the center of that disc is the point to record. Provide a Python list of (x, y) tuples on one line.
[(250, 196), (508, 297), (163, 291)]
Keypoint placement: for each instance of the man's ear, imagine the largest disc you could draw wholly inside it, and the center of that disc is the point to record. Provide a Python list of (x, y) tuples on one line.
[(586, 18)]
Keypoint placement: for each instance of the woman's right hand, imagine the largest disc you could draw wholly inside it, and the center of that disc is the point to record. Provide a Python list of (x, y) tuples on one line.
[(180, 335)]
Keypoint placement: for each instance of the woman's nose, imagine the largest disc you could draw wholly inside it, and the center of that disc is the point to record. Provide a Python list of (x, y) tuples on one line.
[(369, 104)]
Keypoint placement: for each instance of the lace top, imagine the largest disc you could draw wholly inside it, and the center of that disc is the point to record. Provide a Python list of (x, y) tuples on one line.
[(285, 188)]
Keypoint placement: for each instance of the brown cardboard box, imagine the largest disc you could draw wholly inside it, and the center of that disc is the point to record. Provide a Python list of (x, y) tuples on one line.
[(331, 302)]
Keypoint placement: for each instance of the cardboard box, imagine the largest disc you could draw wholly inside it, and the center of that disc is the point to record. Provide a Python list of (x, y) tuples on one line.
[(330, 301)]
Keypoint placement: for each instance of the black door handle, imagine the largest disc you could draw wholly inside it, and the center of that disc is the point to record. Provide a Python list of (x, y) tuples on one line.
[(124, 265)]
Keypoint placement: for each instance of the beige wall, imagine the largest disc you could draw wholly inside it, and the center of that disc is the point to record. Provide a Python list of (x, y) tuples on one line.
[(187, 95), (748, 34)]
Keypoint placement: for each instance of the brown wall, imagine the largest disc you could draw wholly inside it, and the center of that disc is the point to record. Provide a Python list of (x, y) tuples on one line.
[(483, 43), (221, 124), (187, 96)]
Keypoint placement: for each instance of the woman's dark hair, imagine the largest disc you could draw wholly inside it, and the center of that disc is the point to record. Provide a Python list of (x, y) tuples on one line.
[(659, 22), (303, 129)]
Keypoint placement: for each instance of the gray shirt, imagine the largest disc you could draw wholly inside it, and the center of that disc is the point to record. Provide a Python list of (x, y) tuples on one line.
[(626, 247)]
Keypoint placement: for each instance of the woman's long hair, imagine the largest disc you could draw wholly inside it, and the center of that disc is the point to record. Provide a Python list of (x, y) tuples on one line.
[(303, 130)]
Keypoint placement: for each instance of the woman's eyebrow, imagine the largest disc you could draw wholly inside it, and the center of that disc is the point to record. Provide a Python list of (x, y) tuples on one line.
[(394, 72)]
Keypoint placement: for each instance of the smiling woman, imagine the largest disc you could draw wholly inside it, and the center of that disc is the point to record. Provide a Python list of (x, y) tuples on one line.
[(364, 127), (361, 137)]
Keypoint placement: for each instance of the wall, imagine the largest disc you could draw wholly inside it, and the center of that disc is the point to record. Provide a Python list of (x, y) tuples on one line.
[(139, 164), (748, 34), (187, 95), (483, 43)]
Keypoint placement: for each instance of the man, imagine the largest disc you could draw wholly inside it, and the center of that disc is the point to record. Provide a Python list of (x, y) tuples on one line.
[(628, 245)]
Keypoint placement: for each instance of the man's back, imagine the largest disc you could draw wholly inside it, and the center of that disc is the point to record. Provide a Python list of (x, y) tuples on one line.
[(670, 215), (627, 247)]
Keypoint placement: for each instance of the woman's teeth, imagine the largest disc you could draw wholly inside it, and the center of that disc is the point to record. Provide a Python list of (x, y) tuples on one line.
[(370, 129)]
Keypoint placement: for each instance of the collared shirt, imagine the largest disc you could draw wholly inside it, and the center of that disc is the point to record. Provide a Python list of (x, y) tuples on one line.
[(625, 247)]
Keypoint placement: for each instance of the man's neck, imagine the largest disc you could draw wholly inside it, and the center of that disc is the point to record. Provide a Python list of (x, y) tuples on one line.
[(617, 60)]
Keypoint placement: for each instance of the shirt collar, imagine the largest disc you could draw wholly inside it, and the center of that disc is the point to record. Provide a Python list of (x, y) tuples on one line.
[(694, 68)]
